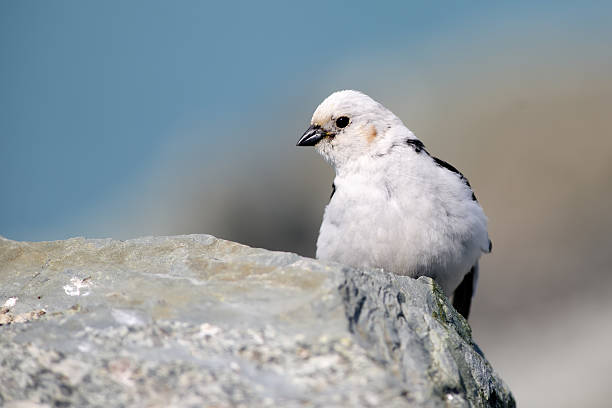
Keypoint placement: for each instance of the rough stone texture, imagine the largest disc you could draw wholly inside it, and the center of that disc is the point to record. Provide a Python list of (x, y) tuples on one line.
[(197, 321)]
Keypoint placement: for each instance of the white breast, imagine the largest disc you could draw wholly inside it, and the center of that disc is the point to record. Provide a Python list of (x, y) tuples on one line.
[(406, 215)]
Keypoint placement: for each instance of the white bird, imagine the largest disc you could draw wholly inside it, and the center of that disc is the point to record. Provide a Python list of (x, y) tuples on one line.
[(393, 205)]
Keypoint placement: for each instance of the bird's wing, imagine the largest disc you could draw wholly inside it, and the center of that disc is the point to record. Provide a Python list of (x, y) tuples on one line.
[(419, 147), (452, 168)]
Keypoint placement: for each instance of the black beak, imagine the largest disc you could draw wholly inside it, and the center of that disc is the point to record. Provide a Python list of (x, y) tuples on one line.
[(312, 135)]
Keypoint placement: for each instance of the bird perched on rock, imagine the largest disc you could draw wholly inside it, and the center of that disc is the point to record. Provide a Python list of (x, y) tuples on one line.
[(393, 205)]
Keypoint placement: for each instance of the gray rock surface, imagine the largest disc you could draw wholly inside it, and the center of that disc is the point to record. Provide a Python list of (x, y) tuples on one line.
[(197, 321)]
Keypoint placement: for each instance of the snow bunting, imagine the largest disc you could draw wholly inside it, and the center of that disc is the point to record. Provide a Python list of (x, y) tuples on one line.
[(393, 205)]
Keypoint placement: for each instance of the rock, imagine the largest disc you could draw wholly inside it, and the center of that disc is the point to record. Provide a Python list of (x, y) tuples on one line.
[(198, 321)]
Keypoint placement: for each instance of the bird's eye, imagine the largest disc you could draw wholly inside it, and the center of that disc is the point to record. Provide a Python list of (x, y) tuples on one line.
[(342, 121)]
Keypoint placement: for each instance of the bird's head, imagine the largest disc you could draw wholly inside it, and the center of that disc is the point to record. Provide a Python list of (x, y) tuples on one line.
[(349, 125)]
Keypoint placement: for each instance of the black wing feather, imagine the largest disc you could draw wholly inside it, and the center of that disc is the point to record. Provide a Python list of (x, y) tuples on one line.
[(462, 298)]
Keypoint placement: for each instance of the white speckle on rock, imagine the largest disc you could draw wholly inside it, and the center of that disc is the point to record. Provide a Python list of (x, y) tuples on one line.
[(10, 302), (77, 287), (84, 347), (126, 317), (372, 399), (207, 329), (256, 336)]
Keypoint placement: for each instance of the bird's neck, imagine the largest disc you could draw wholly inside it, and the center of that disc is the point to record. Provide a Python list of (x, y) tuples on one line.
[(359, 167)]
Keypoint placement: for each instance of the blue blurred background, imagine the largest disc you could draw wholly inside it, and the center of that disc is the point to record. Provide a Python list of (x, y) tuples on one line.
[(129, 118)]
